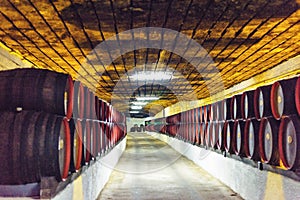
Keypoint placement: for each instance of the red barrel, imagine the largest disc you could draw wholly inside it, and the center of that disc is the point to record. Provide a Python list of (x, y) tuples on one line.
[(98, 137), (78, 111), (207, 134), (36, 89), (289, 142), (76, 144), (202, 134), (297, 95), (228, 136), (262, 105), (283, 98), (220, 131), (214, 137), (86, 142), (268, 141), (251, 135), (238, 142), (247, 104), (30, 136), (235, 107), (222, 110), (206, 113)]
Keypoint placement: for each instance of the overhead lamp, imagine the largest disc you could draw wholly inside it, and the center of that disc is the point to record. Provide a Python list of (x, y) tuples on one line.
[(147, 98), (134, 112), (139, 103), (136, 107), (152, 75)]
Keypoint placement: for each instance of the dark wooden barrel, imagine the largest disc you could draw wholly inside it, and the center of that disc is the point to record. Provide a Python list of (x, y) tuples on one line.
[(222, 110), (98, 137), (206, 113), (78, 111), (201, 113), (251, 135), (207, 134), (283, 98), (87, 103), (97, 108), (36, 89), (289, 142), (76, 144), (239, 137), (297, 95), (103, 138), (220, 131), (235, 107), (268, 141), (262, 105), (228, 136), (93, 112), (202, 134), (86, 141), (214, 137), (247, 104), (39, 146)]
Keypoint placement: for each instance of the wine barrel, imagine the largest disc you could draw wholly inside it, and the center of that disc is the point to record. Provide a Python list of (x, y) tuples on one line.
[(228, 136), (238, 142), (247, 104), (220, 132), (222, 110), (214, 134), (98, 137), (268, 141), (297, 95), (262, 105), (251, 135), (207, 134), (103, 138), (283, 98), (39, 146), (289, 142), (76, 144), (206, 113), (97, 108), (78, 111), (202, 134), (86, 142), (235, 107), (36, 89)]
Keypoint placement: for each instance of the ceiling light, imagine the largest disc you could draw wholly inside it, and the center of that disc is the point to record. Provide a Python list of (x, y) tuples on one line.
[(139, 103), (134, 112), (136, 107), (151, 75), (146, 98)]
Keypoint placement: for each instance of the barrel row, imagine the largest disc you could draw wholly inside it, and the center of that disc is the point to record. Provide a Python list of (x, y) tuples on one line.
[(275, 100), (38, 144), (52, 92), (272, 141)]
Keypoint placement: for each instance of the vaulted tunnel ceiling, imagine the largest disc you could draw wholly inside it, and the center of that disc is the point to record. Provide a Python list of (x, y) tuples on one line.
[(241, 38)]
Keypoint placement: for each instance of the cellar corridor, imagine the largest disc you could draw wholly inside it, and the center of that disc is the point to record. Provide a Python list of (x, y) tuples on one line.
[(151, 169)]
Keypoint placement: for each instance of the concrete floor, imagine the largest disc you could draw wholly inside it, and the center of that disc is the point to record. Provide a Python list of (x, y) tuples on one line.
[(150, 169)]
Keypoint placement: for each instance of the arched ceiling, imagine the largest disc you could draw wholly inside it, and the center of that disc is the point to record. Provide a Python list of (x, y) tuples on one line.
[(242, 37)]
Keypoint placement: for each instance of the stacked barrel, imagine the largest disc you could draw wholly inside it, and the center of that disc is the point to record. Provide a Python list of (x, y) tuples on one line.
[(262, 124), (51, 126)]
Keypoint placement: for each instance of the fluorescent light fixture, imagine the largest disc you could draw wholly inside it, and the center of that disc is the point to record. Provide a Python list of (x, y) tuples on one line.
[(136, 107), (134, 111), (146, 98), (139, 103), (151, 75)]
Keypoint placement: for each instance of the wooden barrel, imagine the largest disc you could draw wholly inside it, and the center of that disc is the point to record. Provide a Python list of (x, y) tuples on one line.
[(220, 131), (289, 142), (239, 137), (202, 134), (76, 144), (228, 136), (36, 89), (103, 138), (206, 113), (39, 146), (97, 107), (283, 98), (222, 110), (251, 135), (98, 137), (268, 141), (247, 104), (207, 134), (235, 107), (297, 95), (214, 137), (262, 105), (78, 111)]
